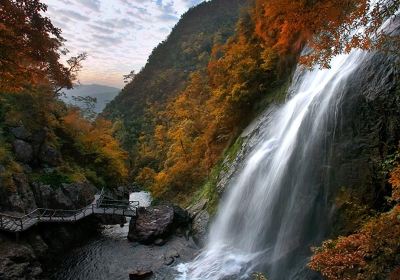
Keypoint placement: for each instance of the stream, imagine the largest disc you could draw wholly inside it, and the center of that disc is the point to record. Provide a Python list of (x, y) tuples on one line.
[(110, 256)]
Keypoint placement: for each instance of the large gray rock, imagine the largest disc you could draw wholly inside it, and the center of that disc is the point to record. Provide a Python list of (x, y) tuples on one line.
[(151, 223), (23, 151), (156, 223), (68, 196)]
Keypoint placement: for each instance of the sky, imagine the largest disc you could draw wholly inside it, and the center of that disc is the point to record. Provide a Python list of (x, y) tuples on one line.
[(118, 35)]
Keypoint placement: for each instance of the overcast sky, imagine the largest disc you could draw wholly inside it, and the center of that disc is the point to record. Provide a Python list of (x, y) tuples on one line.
[(118, 35)]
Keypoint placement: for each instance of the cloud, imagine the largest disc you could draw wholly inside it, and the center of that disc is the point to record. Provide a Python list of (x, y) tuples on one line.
[(73, 15), (91, 4), (105, 40), (167, 18), (113, 23), (101, 29), (118, 35)]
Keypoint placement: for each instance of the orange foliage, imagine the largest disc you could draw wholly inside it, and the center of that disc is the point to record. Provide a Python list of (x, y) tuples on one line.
[(329, 27), (395, 181), (30, 47), (196, 126), (96, 144), (367, 254)]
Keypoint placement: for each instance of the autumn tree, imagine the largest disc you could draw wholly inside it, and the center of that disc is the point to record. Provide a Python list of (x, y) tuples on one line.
[(369, 253), (30, 48), (30, 51), (96, 146), (328, 27)]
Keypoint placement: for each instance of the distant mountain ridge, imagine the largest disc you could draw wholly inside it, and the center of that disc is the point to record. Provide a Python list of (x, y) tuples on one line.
[(103, 94)]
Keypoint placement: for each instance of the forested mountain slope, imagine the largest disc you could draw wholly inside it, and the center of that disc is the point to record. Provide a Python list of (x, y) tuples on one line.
[(186, 49)]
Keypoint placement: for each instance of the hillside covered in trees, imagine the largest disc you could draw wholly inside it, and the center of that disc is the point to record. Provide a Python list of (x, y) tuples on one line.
[(186, 50), (43, 140), (194, 112), (177, 128)]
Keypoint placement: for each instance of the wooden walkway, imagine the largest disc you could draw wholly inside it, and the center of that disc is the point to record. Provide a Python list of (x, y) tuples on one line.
[(100, 206)]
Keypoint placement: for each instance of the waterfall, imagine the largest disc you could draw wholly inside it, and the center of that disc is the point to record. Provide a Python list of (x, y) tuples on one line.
[(277, 205)]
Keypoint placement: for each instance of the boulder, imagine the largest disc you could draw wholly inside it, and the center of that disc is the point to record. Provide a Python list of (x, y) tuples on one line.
[(152, 223), (23, 151), (21, 198), (43, 194), (20, 132), (81, 193), (18, 261), (49, 155), (155, 224), (181, 216), (67, 196), (140, 274), (61, 200)]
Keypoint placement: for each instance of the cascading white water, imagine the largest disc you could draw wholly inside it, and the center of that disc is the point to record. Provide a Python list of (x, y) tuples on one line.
[(271, 204), (277, 205)]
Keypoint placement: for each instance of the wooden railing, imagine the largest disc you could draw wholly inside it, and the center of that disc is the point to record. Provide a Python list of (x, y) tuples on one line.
[(100, 206)]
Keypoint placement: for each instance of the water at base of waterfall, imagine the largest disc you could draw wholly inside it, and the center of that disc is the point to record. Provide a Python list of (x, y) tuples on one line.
[(106, 256)]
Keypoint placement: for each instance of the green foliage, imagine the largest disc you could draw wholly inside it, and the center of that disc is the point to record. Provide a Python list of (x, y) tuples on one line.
[(389, 163), (208, 190), (234, 149), (55, 178)]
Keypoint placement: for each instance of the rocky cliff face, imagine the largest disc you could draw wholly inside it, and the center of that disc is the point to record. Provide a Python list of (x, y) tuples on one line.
[(21, 256), (366, 136), (365, 133)]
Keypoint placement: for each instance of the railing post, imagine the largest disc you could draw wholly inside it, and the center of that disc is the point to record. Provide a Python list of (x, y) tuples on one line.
[(1, 221), (22, 226)]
